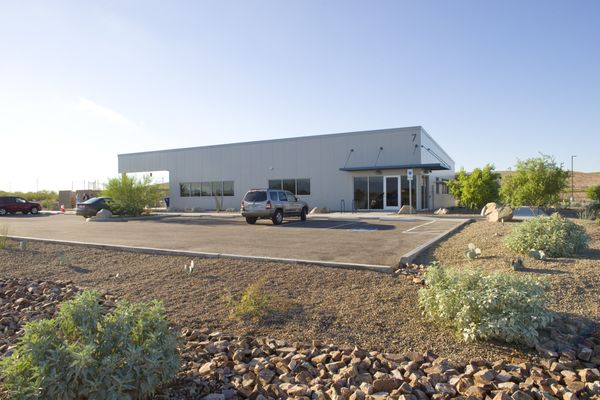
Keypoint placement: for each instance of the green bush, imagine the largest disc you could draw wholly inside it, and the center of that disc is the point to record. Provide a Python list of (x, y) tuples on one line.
[(593, 193), (86, 354), (486, 306), (555, 235), (130, 195), (476, 189), (254, 303)]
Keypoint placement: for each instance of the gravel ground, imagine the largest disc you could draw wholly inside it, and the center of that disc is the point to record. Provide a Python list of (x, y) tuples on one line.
[(346, 307), (575, 281)]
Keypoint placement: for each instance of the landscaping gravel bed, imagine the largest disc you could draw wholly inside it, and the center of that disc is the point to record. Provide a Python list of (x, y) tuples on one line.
[(220, 366), (347, 307)]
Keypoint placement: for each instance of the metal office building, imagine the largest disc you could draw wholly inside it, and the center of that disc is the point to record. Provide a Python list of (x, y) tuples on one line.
[(368, 170)]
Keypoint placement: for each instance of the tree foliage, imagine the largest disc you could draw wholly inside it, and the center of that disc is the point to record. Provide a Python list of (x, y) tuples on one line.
[(130, 195), (593, 193), (536, 182), (476, 189)]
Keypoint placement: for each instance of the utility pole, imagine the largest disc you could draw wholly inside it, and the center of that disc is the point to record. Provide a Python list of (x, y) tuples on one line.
[(572, 181)]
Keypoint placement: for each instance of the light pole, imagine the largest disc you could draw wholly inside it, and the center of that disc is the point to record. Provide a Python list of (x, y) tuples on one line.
[(572, 184)]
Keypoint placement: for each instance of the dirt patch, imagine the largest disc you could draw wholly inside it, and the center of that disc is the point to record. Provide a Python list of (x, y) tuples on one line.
[(575, 281), (346, 307)]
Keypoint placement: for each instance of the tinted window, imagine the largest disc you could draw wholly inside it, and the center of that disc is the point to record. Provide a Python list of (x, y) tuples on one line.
[(195, 189), (361, 187), (206, 189), (290, 196), (274, 196), (275, 184), (228, 188), (184, 189), (303, 187), (289, 185), (217, 188), (20, 200), (256, 196), (282, 196)]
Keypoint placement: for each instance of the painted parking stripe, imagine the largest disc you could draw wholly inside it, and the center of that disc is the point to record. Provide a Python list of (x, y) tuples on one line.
[(344, 224), (418, 226)]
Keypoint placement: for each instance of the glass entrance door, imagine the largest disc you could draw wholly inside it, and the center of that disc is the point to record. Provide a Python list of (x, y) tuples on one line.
[(391, 188)]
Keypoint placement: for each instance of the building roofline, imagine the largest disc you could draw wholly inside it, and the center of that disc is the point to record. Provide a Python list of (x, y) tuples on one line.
[(277, 140), (432, 166)]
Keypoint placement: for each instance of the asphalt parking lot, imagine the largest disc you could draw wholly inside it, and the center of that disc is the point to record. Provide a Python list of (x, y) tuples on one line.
[(365, 241)]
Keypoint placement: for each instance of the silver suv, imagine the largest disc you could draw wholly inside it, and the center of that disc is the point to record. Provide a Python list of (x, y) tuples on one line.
[(273, 204)]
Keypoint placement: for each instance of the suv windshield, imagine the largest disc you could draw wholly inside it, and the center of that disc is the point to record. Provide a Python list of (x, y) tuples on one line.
[(256, 196)]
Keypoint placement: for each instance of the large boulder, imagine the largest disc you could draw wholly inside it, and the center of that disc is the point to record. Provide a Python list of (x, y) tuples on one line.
[(103, 215), (319, 210), (441, 211), (407, 210), (488, 209), (500, 214)]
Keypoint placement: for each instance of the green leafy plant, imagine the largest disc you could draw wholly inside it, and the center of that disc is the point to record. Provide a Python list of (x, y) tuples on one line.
[(85, 353), (3, 236), (536, 182), (472, 252), (254, 303), (555, 236), (476, 189), (588, 213), (482, 306), (130, 195), (593, 193)]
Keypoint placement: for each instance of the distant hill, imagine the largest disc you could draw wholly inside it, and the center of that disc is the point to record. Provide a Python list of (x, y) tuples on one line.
[(581, 181)]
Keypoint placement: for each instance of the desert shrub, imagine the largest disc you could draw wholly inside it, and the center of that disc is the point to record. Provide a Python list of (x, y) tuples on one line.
[(476, 189), (130, 195), (254, 303), (482, 306), (536, 182), (555, 235), (84, 353), (593, 193)]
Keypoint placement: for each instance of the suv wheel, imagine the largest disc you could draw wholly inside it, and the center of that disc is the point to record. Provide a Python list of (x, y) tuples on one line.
[(277, 217), (251, 220), (303, 214), (3, 211), (34, 210)]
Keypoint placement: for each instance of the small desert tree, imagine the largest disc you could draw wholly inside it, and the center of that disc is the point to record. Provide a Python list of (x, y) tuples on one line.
[(536, 182), (130, 195), (593, 193), (476, 189)]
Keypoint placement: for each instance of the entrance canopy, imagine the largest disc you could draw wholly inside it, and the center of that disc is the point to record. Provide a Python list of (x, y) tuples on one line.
[(432, 167)]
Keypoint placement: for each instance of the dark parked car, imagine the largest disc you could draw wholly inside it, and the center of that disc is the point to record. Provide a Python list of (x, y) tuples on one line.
[(90, 208), (13, 204)]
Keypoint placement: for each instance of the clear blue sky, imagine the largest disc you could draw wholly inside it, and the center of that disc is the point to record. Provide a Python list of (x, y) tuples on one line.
[(81, 81)]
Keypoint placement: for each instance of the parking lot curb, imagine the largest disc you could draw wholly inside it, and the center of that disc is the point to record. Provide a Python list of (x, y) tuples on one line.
[(200, 254), (411, 255)]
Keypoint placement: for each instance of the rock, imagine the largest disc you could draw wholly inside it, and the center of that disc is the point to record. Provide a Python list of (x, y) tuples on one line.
[(488, 209), (441, 211), (585, 354), (407, 210), (445, 389), (319, 210), (502, 395), (386, 384), (500, 214), (103, 215), (520, 395)]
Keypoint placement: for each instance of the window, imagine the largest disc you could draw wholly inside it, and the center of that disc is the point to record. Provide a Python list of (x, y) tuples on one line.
[(291, 197), (228, 188), (361, 188), (376, 192), (289, 185), (184, 189), (195, 189), (217, 188), (303, 187), (206, 189), (282, 196), (275, 184), (256, 196), (299, 187), (273, 196)]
